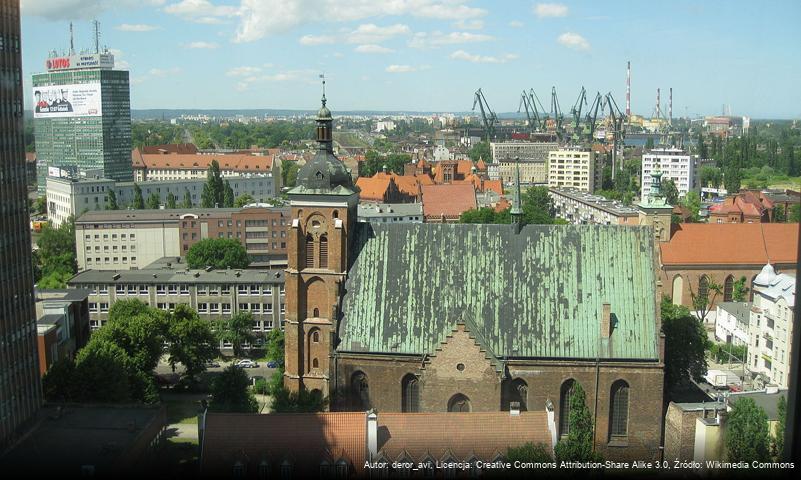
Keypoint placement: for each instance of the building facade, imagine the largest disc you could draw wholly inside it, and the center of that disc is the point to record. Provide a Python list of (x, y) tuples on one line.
[(572, 168), (74, 196), (578, 207), (20, 391), (771, 326), (62, 324), (82, 116), (731, 322), (185, 166), (525, 151), (675, 164), (214, 294), (130, 239), (388, 213)]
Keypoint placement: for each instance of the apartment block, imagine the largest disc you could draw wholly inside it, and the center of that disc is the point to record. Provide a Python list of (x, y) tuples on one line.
[(771, 327), (580, 207), (572, 168), (525, 151), (215, 294), (675, 164), (133, 239), (185, 166)]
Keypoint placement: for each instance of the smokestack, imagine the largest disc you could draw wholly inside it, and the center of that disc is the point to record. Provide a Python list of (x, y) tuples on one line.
[(628, 89), (658, 108), (670, 106)]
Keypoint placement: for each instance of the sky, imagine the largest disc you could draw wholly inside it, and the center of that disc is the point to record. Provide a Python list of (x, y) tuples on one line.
[(432, 55)]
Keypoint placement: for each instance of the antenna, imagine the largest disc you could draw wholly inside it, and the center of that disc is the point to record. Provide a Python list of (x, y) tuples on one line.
[(97, 35), (72, 41), (322, 76)]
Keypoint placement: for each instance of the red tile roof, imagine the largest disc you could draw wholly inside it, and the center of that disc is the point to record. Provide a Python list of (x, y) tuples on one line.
[(460, 435), (305, 439), (235, 161), (747, 203), (502, 205), (731, 244), (374, 189), (448, 200), (180, 148)]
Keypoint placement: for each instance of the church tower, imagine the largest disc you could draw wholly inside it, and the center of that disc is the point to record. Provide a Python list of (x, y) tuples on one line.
[(323, 206), (655, 210)]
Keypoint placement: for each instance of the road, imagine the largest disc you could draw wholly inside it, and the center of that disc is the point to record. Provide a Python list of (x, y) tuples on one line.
[(163, 368)]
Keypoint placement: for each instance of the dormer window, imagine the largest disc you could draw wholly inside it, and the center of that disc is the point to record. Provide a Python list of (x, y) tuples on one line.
[(319, 175)]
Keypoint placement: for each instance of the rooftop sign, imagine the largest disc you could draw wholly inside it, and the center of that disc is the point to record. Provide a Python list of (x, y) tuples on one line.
[(86, 60)]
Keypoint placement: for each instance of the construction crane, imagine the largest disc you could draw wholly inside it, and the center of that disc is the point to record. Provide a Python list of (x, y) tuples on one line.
[(576, 112), (618, 120), (592, 116), (488, 117), (556, 112), (533, 106)]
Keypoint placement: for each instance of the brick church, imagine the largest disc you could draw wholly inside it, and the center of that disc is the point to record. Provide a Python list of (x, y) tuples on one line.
[(476, 318)]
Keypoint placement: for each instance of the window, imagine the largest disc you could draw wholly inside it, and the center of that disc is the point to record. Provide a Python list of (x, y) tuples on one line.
[(703, 287), (255, 307), (132, 289), (103, 289), (459, 403), (202, 290), (309, 252), (564, 406), (282, 291), (172, 289), (226, 308), (410, 401), (254, 289), (619, 410), (728, 289), (92, 307), (161, 289), (256, 326), (120, 290), (215, 308), (202, 308), (359, 391), (243, 307), (267, 307), (226, 289), (184, 289), (515, 391), (143, 290), (324, 251), (242, 289), (214, 289), (103, 307)]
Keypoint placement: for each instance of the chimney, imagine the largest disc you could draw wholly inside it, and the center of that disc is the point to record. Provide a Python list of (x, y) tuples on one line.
[(606, 320), (372, 434)]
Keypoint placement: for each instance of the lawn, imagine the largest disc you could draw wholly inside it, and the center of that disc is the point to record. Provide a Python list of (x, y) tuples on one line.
[(182, 408)]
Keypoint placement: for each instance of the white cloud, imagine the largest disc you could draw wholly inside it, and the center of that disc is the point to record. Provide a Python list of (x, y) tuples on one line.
[(516, 24), (400, 68), (544, 10), (202, 45), (79, 9), (372, 48), (475, 24), (136, 27), (316, 40), (163, 72), (574, 41), (372, 33), (202, 11), (119, 62), (462, 55), (243, 71), (437, 39), (251, 76)]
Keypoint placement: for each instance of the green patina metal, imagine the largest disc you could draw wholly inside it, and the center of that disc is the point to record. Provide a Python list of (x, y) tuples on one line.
[(537, 293)]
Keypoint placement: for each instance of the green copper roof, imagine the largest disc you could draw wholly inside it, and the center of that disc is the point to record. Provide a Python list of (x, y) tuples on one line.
[(538, 293)]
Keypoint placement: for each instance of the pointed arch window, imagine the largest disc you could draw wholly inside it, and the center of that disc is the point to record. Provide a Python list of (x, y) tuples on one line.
[(619, 410), (309, 251), (410, 402), (728, 289), (360, 391), (564, 406), (703, 287), (324, 251), (459, 403)]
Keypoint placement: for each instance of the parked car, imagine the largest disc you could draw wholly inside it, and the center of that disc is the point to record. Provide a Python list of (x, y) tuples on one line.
[(272, 364), (246, 364), (213, 364)]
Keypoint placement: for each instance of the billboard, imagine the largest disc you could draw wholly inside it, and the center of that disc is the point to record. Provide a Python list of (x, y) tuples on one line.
[(61, 101), (84, 60)]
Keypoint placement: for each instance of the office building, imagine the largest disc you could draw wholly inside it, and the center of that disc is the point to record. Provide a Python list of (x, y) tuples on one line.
[(82, 116), (131, 239), (572, 168), (68, 195), (675, 164), (20, 392)]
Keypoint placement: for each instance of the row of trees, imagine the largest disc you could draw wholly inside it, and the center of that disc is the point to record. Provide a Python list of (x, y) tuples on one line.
[(54, 262), (241, 135), (537, 208), (374, 163)]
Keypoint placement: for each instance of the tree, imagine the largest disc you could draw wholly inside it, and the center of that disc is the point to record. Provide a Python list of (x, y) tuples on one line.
[(138, 201), (778, 439), (481, 150), (685, 344), (746, 435), (230, 393), (528, 452), (237, 330), (704, 299), (578, 446), (207, 197), (795, 213), (191, 340), (54, 280), (171, 200), (274, 346), (218, 253), (228, 195), (301, 401), (102, 371), (187, 201), (55, 258), (649, 143), (670, 191), (710, 176), (243, 200), (40, 205), (289, 173), (58, 383), (731, 180), (141, 335), (153, 201), (112, 200), (214, 188), (485, 215), (692, 202), (739, 290)]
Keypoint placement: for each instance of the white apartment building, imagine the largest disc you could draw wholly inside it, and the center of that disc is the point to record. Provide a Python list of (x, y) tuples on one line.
[(572, 168), (384, 126), (675, 164), (582, 208), (731, 322), (771, 326), (390, 213), (71, 196)]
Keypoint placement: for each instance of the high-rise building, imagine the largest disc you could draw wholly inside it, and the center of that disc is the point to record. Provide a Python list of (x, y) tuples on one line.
[(572, 168), (675, 164), (82, 116), (20, 391)]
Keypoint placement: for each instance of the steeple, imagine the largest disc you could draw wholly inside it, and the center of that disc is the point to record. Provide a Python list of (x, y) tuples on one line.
[(517, 211)]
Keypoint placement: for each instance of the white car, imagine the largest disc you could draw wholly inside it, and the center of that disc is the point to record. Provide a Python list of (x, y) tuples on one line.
[(246, 364)]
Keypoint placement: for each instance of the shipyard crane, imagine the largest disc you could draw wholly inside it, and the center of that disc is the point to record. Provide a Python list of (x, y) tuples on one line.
[(533, 123), (618, 120), (556, 112), (576, 112), (533, 107), (488, 117), (592, 116)]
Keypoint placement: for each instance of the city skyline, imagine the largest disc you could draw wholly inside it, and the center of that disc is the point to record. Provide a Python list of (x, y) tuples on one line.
[(431, 55)]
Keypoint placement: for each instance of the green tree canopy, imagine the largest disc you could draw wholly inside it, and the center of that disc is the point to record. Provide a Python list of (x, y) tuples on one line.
[(228, 195), (692, 202), (746, 435), (578, 446), (187, 200), (141, 336), (243, 200), (112, 200), (191, 340), (237, 330), (171, 200), (670, 191), (481, 150), (274, 346), (138, 201), (218, 253), (302, 401), (289, 173), (685, 344), (55, 258), (710, 176), (230, 392), (153, 201), (528, 452), (778, 438)]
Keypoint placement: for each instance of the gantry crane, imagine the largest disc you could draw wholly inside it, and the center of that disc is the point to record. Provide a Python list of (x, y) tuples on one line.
[(533, 107), (576, 112), (592, 116), (488, 117), (556, 112)]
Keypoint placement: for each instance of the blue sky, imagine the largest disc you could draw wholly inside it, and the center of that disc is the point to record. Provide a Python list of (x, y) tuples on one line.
[(433, 54)]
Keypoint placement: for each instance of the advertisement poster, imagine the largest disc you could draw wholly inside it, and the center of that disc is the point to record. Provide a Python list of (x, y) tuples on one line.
[(60, 101)]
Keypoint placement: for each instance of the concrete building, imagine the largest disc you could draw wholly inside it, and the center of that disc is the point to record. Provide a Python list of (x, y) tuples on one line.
[(731, 322), (130, 239), (184, 166), (579, 207), (391, 212), (675, 164), (20, 392), (82, 116), (572, 168), (771, 326), (215, 294), (73, 196), (526, 151), (531, 173), (62, 324)]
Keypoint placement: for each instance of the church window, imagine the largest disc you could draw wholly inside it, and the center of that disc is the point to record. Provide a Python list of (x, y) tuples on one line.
[(309, 252), (459, 403), (410, 386), (564, 406), (315, 363), (336, 214), (324, 252), (728, 289), (703, 288), (619, 410), (316, 312), (360, 391), (316, 335), (342, 468), (515, 391)]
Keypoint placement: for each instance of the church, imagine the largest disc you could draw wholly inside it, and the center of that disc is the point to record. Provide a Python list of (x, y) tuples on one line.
[(471, 318)]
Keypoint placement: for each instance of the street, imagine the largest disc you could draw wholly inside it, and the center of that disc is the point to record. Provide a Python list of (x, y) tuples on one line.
[(163, 368)]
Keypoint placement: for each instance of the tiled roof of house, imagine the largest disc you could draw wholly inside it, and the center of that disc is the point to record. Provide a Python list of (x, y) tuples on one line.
[(234, 161), (448, 200), (458, 436), (180, 148), (748, 203), (502, 205), (731, 244), (304, 439), (375, 188), (537, 293)]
